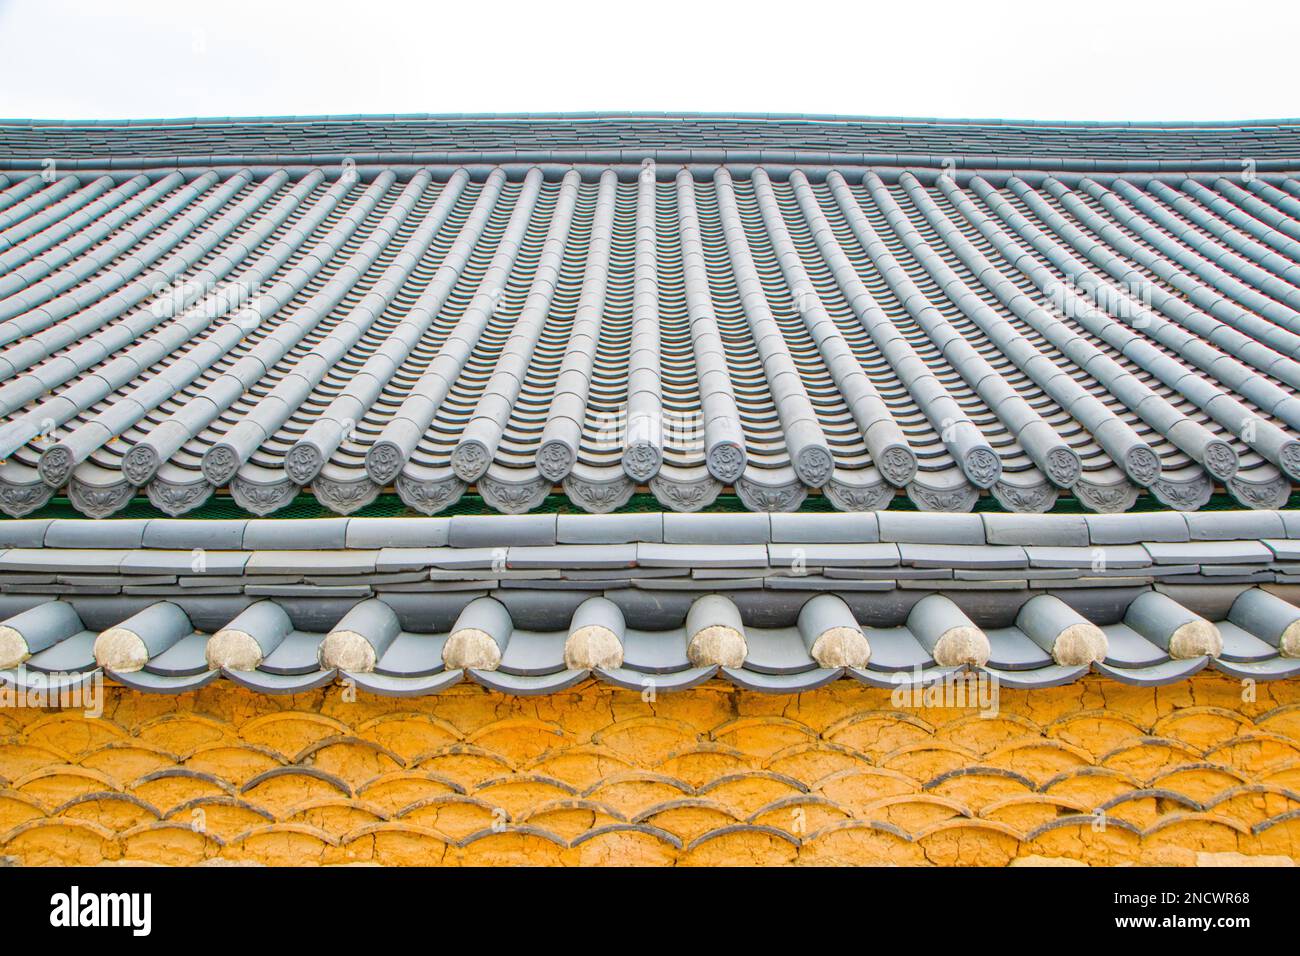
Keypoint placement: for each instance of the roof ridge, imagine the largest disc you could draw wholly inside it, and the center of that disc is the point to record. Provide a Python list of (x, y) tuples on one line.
[(598, 115)]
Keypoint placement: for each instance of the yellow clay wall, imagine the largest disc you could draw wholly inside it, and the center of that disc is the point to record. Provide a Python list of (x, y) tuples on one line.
[(1202, 771)]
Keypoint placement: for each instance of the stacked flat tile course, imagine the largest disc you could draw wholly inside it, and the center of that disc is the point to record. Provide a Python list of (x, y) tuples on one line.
[(772, 307)]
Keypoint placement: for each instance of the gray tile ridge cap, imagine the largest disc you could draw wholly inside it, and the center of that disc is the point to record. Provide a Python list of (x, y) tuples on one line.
[(491, 530), (646, 115)]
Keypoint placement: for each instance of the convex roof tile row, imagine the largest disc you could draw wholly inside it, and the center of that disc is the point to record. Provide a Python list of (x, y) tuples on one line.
[(1152, 639), (779, 332)]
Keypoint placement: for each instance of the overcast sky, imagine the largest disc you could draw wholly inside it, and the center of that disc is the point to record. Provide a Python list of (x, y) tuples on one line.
[(1083, 60)]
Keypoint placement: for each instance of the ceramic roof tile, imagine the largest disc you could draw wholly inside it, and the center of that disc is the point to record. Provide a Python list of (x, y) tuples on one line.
[(962, 556), (1208, 552), (28, 533), (295, 534), (702, 556), (609, 529), (213, 535), (185, 658), (834, 555), (411, 655), (397, 533), (850, 528), (1065, 531)]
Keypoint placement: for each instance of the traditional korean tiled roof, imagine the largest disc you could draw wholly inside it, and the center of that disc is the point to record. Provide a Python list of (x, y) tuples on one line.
[(538, 604), (884, 348), (776, 307)]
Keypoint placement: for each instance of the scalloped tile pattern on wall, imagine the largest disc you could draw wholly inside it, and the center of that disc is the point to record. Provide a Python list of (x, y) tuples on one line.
[(1094, 773)]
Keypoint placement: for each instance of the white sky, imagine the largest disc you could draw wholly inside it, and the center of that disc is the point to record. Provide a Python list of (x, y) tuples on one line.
[(1132, 59)]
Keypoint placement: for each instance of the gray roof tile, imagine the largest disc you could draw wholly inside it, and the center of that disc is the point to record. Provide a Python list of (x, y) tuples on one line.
[(502, 531), (700, 556), (1101, 557), (587, 556), (398, 533), (1051, 675), (150, 682), (1284, 548), (29, 533), (73, 654), (70, 560), (1209, 552), (795, 683), (655, 652), (412, 655), (192, 533), (1129, 649), (777, 652), (721, 529), (185, 658), (963, 556), (922, 528), (1012, 650), (1155, 675), (858, 556), (201, 566), (660, 682), (528, 686), (310, 562), (610, 529), (299, 534), (297, 654), (535, 654), (392, 686), (71, 533), (264, 682), (847, 528), (1137, 528), (1234, 525), (1052, 531)]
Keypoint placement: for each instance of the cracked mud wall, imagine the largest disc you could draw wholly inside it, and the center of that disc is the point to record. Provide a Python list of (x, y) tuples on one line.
[(1096, 772)]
